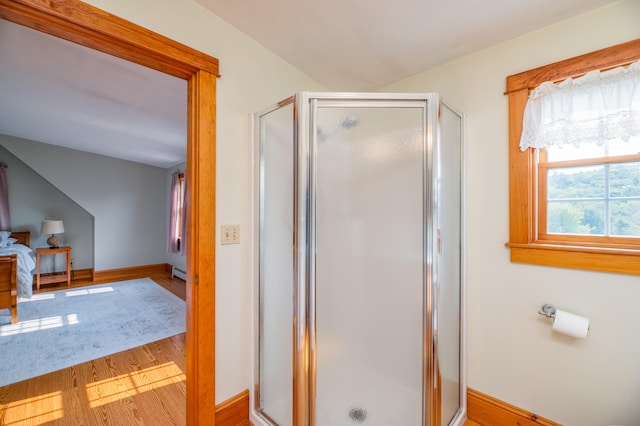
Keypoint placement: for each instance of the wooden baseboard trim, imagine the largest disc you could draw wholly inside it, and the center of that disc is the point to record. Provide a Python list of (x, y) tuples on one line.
[(76, 274), (234, 411), (133, 272), (487, 410), (481, 408), (82, 274)]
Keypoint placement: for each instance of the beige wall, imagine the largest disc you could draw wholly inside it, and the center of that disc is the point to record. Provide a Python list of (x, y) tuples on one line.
[(512, 352), (252, 78)]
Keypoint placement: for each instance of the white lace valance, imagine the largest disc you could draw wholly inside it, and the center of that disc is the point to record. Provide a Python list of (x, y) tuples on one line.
[(594, 108)]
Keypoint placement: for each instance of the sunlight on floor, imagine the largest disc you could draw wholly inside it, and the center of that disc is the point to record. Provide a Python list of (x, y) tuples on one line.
[(72, 319), (120, 387), (47, 408), (42, 405), (38, 324), (39, 296), (84, 292), (33, 325), (51, 322)]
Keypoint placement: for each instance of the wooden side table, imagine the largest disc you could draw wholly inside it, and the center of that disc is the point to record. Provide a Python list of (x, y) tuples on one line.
[(55, 277)]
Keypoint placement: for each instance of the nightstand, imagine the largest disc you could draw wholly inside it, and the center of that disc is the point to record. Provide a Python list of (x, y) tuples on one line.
[(55, 277)]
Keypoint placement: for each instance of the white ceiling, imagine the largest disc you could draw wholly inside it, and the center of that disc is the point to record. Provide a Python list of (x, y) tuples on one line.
[(354, 45), (62, 93), (57, 92)]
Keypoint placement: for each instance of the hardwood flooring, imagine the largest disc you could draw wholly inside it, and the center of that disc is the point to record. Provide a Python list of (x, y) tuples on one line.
[(140, 386), (144, 385)]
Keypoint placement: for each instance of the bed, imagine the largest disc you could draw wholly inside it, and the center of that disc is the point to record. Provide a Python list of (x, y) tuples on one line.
[(17, 261)]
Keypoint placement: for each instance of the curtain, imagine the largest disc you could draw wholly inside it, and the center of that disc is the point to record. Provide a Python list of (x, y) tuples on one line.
[(5, 218), (597, 107), (183, 242), (172, 243)]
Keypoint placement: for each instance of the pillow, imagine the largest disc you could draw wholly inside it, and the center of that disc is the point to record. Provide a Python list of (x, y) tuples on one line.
[(3, 238), (8, 242)]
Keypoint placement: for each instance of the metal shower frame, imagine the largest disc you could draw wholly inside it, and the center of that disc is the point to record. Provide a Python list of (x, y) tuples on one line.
[(305, 105)]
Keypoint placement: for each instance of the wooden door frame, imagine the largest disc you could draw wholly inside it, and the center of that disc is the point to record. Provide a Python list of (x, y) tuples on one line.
[(81, 23)]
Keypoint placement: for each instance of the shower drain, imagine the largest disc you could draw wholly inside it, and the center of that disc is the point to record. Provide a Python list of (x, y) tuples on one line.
[(358, 415)]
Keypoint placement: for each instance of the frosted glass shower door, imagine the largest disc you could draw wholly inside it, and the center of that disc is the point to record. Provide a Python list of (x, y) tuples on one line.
[(369, 206), (275, 265), (357, 264), (448, 263)]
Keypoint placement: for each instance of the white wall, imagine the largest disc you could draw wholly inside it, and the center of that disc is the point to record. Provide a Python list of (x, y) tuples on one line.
[(252, 79), (512, 352), (32, 198), (126, 199)]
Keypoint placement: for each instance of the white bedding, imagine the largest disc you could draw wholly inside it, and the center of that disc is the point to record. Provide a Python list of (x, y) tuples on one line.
[(26, 266)]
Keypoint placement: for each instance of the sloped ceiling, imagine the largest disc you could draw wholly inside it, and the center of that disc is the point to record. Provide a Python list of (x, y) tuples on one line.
[(353, 45), (57, 92), (62, 93)]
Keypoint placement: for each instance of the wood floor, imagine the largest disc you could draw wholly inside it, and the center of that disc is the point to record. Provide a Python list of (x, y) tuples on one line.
[(140, 386)]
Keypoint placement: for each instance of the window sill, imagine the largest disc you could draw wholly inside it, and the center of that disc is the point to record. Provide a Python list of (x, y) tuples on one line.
[(624, 261)]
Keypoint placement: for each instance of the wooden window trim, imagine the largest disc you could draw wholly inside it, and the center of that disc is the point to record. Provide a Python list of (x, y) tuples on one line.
[(524, 246)]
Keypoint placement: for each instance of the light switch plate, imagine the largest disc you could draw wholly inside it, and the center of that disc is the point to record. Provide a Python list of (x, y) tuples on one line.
[(230, 234)]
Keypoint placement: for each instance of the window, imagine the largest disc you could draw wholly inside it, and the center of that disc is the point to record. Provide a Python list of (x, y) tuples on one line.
[(574, 207), (590, 191)]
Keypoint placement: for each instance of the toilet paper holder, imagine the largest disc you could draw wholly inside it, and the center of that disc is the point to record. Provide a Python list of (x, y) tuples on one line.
[(548, 311)]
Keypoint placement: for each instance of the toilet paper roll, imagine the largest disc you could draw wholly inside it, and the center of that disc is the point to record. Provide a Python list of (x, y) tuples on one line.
[(570, 324)]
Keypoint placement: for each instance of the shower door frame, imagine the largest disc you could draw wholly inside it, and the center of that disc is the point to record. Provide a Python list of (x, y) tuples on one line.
[(303, 322)]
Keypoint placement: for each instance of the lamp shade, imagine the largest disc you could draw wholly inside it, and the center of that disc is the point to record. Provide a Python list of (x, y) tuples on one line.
[(52, 226)]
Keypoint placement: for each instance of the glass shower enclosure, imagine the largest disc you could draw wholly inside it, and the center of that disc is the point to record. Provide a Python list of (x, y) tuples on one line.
[(357, 299)]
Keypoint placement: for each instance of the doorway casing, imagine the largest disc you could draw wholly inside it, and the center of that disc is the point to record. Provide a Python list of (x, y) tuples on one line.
[(84, 24)]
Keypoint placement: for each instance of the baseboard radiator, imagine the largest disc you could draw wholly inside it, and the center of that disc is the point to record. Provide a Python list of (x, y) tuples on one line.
[(179, 273)]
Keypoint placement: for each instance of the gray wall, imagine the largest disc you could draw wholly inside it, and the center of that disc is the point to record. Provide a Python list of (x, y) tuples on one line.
[(32, 198), (127, 200)]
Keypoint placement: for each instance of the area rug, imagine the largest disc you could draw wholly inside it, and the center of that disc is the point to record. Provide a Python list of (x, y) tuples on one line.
[(59, 329)]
